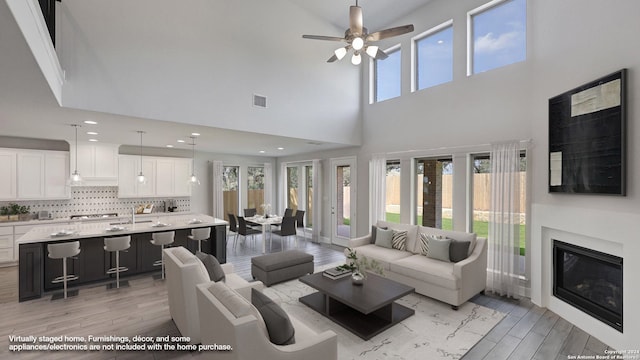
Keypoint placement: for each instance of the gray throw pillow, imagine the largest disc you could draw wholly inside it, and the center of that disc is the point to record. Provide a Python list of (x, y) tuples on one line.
[(458, 250), (279, 327), (212, 265), (439, 249), (384, 237), (374, 232)]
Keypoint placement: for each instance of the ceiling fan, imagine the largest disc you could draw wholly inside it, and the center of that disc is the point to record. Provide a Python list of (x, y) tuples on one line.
[(358, 38)]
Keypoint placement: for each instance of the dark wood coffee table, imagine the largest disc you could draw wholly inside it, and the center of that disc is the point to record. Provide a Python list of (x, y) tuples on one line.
[(365, 310)]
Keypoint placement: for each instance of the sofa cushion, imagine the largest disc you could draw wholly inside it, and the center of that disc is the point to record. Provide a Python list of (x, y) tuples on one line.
[(234, 302), (439, 248), (384, 238), (212, 265), (412, 232), (456, 235), (399, 240), (373, 233), (427, 270), (279, 326), (458, 250), (382, 255)]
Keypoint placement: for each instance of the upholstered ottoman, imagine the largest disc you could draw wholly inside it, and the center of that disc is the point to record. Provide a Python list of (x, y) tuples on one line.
[(283, 266)]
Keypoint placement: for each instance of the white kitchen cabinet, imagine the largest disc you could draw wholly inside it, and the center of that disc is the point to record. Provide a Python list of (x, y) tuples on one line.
[(7, 174), (6, 244), (165, 177), (56, 173), (31, 176), (97, 163)]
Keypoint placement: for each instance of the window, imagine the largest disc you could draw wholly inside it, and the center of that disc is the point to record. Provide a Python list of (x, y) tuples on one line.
[(393, 192), (433, 53), (255, 188), (481, 199), (387, 75), (497, 35), (308, 173), (434, 192), (230, 187), (292, 187)]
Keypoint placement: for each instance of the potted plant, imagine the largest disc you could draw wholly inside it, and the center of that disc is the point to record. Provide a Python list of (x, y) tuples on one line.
[(24, 213), (4, 213), (359, 267), (14, 212)]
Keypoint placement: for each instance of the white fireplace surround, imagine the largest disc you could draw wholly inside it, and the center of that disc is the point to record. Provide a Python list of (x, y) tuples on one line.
[(610, 232)]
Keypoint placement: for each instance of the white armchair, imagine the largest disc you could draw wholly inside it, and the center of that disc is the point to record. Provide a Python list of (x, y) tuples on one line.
[(230, 319), (183, 272)]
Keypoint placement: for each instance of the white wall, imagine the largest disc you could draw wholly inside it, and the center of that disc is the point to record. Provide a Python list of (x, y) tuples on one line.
[(201, 61)]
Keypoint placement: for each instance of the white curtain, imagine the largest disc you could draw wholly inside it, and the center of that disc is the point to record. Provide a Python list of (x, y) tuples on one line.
[(503, 262), (284, 193), (317, 201), (217, 208), (268, 185), (377, 188)]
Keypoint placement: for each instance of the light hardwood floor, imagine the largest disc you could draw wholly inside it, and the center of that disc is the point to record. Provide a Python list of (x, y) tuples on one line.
[(527, 332)]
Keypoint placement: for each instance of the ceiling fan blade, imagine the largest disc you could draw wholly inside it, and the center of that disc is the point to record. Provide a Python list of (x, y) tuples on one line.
[(383, 34), (355, 20), (320, 37), (332, 59), (381, 55)]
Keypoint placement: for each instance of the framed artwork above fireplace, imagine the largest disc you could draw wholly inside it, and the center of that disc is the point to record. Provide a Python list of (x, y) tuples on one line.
[(587, 138)]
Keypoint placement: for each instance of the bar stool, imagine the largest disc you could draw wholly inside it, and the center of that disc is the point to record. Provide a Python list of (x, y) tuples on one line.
[(64, 251), (117, 244), (161, 239), (200, 235)]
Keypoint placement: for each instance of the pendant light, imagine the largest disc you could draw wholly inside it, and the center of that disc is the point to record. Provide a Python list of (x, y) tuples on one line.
[(193, 180), (141, 178), (75, 178)]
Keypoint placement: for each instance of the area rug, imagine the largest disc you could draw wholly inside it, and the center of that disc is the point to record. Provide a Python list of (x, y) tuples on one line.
[(434, 332)]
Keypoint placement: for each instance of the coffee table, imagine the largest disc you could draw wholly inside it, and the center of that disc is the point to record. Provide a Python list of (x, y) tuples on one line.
[(365, 310)]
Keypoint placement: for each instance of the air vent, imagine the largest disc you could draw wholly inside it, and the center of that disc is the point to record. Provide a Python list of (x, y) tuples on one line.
[(316, 143), (259, 101)]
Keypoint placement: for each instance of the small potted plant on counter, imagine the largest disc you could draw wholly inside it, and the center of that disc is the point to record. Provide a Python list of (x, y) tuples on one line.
[(4, 213), (24, 213)]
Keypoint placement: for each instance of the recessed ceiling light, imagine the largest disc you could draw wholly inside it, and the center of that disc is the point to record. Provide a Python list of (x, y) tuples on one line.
[(262, 151), (280, 148), (440, 42), (195, 134), (92, 133), (180, 141), (169, 145), (90, 122), (93, 140)]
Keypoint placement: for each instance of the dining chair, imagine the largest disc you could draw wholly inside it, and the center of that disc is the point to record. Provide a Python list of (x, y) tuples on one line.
[(245, 231), (300, 223), (233, 226), (288, 212), (250, 212), (287, 228)]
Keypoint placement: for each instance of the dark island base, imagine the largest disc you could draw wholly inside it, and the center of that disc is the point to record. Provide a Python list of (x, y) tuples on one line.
[(36, 270), (365, 326)]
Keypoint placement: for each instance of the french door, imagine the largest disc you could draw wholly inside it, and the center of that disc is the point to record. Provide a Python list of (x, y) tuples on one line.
[(343, 200)]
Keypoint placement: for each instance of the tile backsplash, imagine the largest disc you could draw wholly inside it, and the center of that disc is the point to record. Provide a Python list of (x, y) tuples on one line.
[(87, 200)]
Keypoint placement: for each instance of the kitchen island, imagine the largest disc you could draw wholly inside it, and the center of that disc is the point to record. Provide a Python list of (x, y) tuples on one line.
[(36, 270)]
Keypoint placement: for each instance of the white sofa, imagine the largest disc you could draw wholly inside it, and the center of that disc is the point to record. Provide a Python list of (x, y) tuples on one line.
[(183, 272), (229, 319), (452, 283)]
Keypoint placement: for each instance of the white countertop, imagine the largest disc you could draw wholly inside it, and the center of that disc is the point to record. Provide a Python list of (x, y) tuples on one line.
[(88, 229), (123, 217)]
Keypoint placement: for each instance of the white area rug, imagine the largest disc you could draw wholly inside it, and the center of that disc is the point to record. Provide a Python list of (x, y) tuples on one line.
[(434, 332)]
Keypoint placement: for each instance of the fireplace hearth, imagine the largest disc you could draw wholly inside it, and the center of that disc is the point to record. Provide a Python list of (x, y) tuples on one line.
[(590, 281)]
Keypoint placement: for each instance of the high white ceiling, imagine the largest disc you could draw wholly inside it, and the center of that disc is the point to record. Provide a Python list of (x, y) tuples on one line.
[(28, 109)]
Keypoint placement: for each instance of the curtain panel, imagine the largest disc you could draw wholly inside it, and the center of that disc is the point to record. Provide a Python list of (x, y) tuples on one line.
[(377, 188)]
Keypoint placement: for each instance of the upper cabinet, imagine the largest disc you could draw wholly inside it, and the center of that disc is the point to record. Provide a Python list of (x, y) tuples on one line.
[(164, 177), (33, 174), (97, 163)]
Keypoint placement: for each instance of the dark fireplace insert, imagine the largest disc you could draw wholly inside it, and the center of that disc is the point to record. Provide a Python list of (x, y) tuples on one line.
[(589, 280)]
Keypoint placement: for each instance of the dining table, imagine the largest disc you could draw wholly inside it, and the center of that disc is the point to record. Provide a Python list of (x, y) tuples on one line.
[(265, 222)]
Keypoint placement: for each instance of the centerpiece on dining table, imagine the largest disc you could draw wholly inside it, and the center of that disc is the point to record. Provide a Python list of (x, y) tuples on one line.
[(266, 209)]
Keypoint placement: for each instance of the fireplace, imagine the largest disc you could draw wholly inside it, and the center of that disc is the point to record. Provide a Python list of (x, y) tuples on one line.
[(590, 281)]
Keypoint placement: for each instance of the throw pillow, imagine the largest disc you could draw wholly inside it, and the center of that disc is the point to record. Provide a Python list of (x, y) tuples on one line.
[(459, 250), (424, 244), (439, 249), (212, 265), (399, 240), (279, 327), (383, 237), (374, 230)]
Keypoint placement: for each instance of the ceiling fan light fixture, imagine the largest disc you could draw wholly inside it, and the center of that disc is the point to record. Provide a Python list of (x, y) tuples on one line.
[(357, 43), (356, 59), (372, 51), (340, 53)]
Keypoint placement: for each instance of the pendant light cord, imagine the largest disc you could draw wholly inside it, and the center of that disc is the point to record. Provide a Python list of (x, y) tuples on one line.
[(76, 127)]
